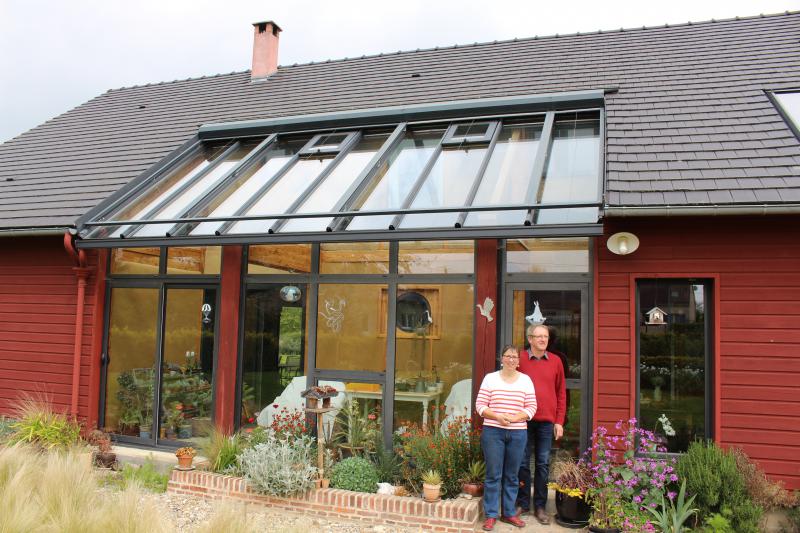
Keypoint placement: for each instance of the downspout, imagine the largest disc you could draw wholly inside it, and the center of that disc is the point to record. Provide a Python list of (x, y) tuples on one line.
[(82, 272)]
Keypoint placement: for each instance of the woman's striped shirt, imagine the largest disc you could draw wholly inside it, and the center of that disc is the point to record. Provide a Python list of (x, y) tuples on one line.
[(506, 398)]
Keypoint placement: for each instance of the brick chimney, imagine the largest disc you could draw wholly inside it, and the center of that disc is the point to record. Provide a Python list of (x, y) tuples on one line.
[(265, 49)]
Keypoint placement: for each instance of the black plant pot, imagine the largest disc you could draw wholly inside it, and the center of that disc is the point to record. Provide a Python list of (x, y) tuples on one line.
[(572, 511), (595, 529)]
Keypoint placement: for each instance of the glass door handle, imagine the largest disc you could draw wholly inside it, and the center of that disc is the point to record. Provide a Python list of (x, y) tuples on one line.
[(104, 359)]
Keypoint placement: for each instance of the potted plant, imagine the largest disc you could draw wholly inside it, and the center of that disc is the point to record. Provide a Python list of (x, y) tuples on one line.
[(185, 456), (572, 481), (173, 420), (608, 513), (354, 434), (146, 426), (473, 480), (431, 486), (104, 457)]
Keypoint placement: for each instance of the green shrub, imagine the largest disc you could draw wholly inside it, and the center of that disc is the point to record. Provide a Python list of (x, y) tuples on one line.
[(356, 474), (146, 475), (387, 463), (221, 450), (280, 467), (711, 474), (39, 424)]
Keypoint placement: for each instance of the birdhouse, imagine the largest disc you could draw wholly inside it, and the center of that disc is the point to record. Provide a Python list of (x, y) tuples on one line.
[(656, 317)]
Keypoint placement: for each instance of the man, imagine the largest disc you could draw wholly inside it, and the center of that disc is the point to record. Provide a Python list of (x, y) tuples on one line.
[(547, 373)]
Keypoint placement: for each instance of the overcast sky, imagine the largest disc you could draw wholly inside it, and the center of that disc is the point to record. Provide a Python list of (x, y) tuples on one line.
[(57, 54)]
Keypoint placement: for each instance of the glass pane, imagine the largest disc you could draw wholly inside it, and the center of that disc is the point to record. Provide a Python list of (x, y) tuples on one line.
[(273, 355), (194, 260), (433, 375), (325, 197), (447, 185), (572, 173), (188, 364), (547, 255), (279, 259), (508, 175), (350, 322), (288, 188), (355, 424), (436, 257), (330, 141), (135, 260), (791, 105), (570, 443), (561, 312), (132, 351), (195, 192), (672, 358), (471, 130), (354, 258), (170, 183), (228, 202), (395, 178)]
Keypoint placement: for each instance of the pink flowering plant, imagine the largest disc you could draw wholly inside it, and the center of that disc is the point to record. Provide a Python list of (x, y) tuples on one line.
[(630, 466)]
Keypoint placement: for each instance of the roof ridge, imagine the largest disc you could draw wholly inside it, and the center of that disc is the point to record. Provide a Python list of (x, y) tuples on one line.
[(195, 78), (540, 37)]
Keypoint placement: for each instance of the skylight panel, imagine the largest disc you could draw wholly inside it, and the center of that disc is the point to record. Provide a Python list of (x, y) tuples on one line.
[(790, 105)]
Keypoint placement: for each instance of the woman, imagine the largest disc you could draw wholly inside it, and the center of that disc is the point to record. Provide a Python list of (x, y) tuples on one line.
[(506, 401)]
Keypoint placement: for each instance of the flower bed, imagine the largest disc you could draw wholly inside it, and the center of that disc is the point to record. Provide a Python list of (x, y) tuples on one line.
[(458, 515)]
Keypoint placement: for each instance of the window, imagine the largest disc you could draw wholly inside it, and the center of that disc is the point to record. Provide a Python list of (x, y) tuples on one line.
[(789, 105), (674, 358)]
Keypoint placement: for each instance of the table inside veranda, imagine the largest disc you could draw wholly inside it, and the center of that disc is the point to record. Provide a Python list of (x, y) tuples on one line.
[(425, 398)]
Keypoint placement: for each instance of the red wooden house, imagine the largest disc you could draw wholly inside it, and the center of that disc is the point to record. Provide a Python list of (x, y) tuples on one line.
[(200, 250)]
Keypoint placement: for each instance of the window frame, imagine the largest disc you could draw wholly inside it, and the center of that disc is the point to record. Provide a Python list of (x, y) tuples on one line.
[(712, 400)]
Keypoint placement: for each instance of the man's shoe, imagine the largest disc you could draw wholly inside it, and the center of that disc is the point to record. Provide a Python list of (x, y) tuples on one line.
[(513, 520), (489, 524), (541, 516), (521, 511)]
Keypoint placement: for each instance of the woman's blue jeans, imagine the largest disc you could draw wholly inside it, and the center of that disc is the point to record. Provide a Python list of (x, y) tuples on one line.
[(502, 452)]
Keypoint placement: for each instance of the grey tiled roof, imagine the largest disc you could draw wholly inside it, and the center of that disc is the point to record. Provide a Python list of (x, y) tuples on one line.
[(690, 123)]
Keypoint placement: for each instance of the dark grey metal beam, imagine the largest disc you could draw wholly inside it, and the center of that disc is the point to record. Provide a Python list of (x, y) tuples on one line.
[(412, 193), (476, 183), (350, 144), (562, 230), (180, 190), (539, 163), (201, 203), (346, 201), (360, 117)]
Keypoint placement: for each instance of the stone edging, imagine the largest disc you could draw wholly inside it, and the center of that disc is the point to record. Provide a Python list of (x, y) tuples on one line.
[(448, 515)]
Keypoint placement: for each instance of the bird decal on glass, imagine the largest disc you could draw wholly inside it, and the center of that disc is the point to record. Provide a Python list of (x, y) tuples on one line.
[(486, 308), (536, 318)]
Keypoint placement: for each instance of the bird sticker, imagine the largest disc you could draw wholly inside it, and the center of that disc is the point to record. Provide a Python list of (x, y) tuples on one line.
[(536, 318), (334, 316), (486, 309)]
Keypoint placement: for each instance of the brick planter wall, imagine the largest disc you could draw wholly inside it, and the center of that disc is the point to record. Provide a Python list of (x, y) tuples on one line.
[(458, 515)]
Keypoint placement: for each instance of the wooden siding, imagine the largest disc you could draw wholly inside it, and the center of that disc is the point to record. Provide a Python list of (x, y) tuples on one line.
[(754, 265), (38, 289)]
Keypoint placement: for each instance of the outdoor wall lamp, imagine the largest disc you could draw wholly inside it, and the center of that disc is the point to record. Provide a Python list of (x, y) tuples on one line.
[(623, 243)]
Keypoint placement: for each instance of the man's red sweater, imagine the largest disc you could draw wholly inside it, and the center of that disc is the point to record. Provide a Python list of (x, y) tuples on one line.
[(547, 375)]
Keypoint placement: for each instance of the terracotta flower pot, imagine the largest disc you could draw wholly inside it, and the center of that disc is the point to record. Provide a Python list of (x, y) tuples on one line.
[(185, 462), (473, 489), (431, 493)]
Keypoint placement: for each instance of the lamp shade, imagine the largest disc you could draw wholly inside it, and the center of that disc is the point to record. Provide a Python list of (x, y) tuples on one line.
[(623, 243)]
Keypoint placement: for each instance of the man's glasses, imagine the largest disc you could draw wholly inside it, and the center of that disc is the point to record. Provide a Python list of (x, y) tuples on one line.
[(538, 336)]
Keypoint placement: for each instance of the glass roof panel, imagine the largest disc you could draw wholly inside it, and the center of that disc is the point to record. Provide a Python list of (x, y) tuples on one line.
[(251, 181), (572, 173), (507, 176), (282, 194), (394, 180), (328, 193), (447, 185)]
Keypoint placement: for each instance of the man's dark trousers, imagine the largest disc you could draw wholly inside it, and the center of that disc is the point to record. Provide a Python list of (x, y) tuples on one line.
[(540, 440)]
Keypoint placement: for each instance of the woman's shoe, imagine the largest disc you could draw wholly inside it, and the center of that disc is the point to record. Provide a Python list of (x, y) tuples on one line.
[(513, 520), (489, 524)]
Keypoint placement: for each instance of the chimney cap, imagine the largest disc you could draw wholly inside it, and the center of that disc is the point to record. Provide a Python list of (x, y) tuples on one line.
[(264, 25)]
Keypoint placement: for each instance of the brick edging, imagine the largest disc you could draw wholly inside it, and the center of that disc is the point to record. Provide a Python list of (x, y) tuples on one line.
[(458, 515)]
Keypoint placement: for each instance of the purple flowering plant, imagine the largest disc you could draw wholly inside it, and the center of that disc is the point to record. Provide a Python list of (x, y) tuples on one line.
[(630, 463)]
